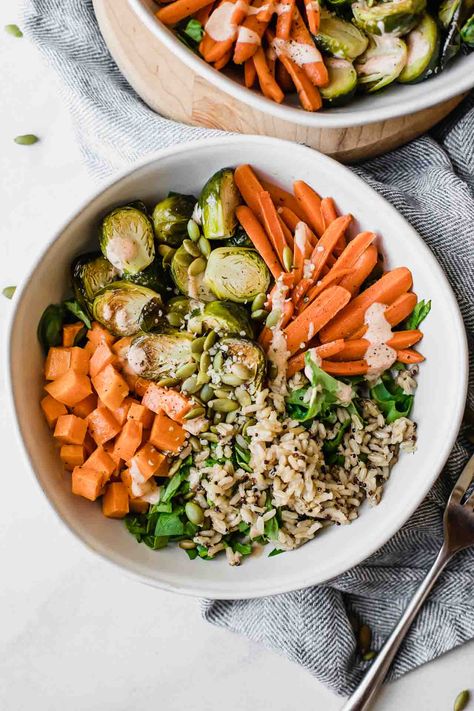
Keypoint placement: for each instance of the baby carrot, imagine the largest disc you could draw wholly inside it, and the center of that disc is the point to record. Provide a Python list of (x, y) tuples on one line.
[(309, 96), (397, 312), (296, 363), (361, 270), (268, 85), (285, 17), (313, 15), (409, 356), (259, 239), (315, 317), (353, 350), (315, 70), (249, 186), (282, 198), (310, 203), (250, 73), (252, 28), (178, 10), (353, 367), (329, 239), (272, 224)]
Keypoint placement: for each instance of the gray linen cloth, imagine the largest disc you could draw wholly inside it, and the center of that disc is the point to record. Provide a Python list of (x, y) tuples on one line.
[(431, 181)]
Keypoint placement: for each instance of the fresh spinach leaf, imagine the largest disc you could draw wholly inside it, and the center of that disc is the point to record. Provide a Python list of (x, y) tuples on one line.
[(419, 313), (50, 327), (76, 309), (331, 445), (275, 551), (169, 525), (175, 482), (243, 548), (194, 30), (192, 553), (391, 399), (155, 542)]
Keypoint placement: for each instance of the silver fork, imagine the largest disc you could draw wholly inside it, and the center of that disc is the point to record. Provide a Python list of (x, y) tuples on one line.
[(458, 534)]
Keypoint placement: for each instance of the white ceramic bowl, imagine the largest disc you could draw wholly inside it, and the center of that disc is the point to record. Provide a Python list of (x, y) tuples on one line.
[(397, 100), (439, 401)]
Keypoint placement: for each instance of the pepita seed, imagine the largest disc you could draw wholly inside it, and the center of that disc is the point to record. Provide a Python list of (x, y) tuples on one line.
[(13, 30), (250, 423), (259, 302), (210, 339), (241, 441), (186, 370), (167, 382), (207, 393), (195, 444), (193, 230), (210, 437), (232, 379), (273, 318), (164, 249), (221, 393), (205, 362), (368, 656), (214, 429), (197, 267), (241, 371), (462, 700), (189, 496), (204, 246), (259, 314), (287, 259), (190, 385), (8, 292), (197, 346), (187, 545), (174, 467), (218, 361), (231, 417), (28, 139), (191, 248), (194, 513), (365, 638), (221, 405), (194, 412), (174, 319), (243, 397), (202, 379)]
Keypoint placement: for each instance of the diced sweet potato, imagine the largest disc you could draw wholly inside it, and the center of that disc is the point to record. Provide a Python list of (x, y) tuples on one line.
[(142, 414), (72, 455), (115, 500), (173, 403), (70, 388), (87, 483), (121, 413), (57, 363), (102, 462), (89, 444), (98, 334), (166, 435), (85, 407), (110, 387), (138, 506), (102, 425), (70, 429), (52, 409), (121, 346), (102, 356), (110, 449), (128, 440), (80, 360), (150, 462), (70, 333), (141, 386)]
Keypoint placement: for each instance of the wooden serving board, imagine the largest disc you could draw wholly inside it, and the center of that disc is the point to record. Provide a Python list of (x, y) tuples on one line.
[(174, 90)]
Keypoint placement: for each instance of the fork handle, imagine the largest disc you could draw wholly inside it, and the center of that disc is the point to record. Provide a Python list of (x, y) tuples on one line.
[(364, 695)]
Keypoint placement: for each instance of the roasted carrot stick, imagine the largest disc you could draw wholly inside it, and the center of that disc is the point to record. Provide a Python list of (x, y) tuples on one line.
[(361, 270), (408, 356), (316, 70), (268, 85), (335, 276), (299, 250), (282, 198), (272, 224), (284, 79), (288, 279), (310, 204), (178, 10), (353, 367), (225, 59), (297, 363), (315, 317), (390, 286), (250, 73), (328, 211), (214, 50), (285, 17), (202, 15), (291, 220), (250, 35), (249, 186), (328, 241), (309, 96), (354, 350), (395, 313), (355, 248), (259, 239), (313, 15), (266, 334)]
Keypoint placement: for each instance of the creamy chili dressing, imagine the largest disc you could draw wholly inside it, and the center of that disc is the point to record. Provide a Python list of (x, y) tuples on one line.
[(378, 355), (299, 52), (220, 26), (278, 352), (248, 36), (282, 8), (300, 236), (263, 8), (313, 5)]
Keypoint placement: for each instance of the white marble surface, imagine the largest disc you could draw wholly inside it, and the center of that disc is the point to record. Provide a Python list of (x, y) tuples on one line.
[(74, 634)]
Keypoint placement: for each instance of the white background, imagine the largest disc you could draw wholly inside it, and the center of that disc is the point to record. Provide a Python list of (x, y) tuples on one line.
[(75, 634)]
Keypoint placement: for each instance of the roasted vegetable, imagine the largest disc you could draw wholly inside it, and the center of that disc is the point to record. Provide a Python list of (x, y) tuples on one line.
[(247, 353), (422, 51), (240, 238), (126, 308), (154, 277), (340, 38), (217, 203), (226, 317), (467, 32), (396, 17), (342, 82), (126, 239), (171, 216), (159, 355), (89, 274), (382, 63), (452, 15), (192, 286), (236, 274)]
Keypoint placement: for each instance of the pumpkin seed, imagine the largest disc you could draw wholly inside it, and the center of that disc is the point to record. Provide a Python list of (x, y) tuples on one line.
[(368, 656), (207, 393), (241, 441), (164, 249), (365, 638), (195, 444), (197, 346), (287, 259), (186, 370), (218, 361), (8, 292), (194, 513), (259, 314), (214, 429), (174, 319), (221, 392), (202, 379), (28, 139), (193, 230), (250, 423), (195, 412), (273, 318), (174, 467), (204, 246), (187, 544), (221, 405), (190, 385), (232, 379), (167, 382), (242, 396), (191, 248), (210, 339), (241, 371), (197, 267), (189, 496), (462, 700), (259, 302), (231, 417), (205, 362), (210, 437), (13, 30)]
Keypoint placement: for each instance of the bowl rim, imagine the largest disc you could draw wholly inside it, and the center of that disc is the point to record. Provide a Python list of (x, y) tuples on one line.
[(435, 94), (308, 579)]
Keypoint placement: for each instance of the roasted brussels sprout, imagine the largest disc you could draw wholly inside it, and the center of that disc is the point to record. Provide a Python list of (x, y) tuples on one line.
[(467, 32), (452, 15), (381, 63), (89, 274), (138, 205), (171, 216), (340, 38), (247, 353), (422, 51), (217, 203), (126, 239), (159, 355), (192, 286), (342, 82), (154, 277), (126, 308), (240, 238), (236, 274), (396, 17), (226, 317)]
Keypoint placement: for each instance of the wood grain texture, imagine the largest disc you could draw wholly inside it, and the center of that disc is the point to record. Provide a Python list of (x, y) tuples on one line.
[(174, 90)]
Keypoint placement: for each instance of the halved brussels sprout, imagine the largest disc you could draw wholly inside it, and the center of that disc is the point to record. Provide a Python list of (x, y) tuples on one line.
[(171, 216), (89, 274), (342, 82), (126, 239), (382, 63), (236, 274), (452, 14), (193, 287), (124, 308), (422, 51), (217, 203), (467, 32), (248, 353), (138, 205), (159, 355), (396, 17), (154, 277), (340, 38), (226, 317)]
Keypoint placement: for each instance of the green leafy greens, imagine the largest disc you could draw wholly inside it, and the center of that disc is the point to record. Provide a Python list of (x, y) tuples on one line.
[(391, 399), (419, 313)]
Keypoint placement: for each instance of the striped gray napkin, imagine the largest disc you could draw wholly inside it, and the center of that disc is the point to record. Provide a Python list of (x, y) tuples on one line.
[(431, 181)]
